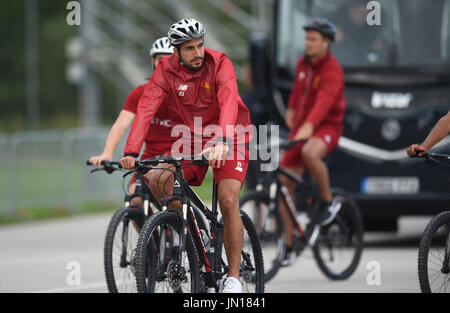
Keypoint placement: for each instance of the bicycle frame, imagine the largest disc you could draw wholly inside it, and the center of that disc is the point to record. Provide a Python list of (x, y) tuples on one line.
[(143, 191), (277, 188), (184, 193)]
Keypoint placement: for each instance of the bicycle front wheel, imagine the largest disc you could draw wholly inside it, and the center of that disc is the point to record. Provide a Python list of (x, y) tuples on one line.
[(251, 273), (434, 255), (120, 248), (158, 266), (269, 228)]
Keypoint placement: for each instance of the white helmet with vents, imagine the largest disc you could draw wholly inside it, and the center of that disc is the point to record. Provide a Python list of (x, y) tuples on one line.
[(186, 30), (161, 46)]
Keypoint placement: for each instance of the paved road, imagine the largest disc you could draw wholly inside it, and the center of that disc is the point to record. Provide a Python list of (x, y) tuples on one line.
[(40, 257)]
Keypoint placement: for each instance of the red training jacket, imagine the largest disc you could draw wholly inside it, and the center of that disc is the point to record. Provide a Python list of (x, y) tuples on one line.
[(318, 93), (210, 93), (161, 123)]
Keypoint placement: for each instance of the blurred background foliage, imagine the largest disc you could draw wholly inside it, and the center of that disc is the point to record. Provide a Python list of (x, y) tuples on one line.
[(59, 100)]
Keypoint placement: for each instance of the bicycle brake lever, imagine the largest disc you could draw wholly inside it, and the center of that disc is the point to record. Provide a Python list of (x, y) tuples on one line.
[(96, 170), (432, 161)]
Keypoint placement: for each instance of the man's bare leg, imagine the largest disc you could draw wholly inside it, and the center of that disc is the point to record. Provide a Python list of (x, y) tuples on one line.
[(288, 225), (233, 235), (313, 154)]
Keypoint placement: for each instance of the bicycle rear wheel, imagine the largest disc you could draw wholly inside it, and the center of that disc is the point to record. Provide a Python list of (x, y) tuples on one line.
[(434, 255), (339, 246), (158, 267), (269, 228), (251, 273), (119, 249)]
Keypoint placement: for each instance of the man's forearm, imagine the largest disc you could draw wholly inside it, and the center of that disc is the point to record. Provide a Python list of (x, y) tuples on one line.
[(438, 133), (114, 137)]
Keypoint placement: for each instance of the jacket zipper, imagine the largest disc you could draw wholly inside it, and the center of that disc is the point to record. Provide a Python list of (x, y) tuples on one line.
[(306, 93)]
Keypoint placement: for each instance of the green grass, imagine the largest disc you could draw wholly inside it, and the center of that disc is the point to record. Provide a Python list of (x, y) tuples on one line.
[(23, 215), (36, 181)]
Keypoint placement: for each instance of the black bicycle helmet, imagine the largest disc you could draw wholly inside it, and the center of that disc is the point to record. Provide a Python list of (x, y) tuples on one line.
[(323, 26)]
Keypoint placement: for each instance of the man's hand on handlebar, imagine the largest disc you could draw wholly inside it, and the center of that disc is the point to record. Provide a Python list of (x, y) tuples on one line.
[(305, 132), (97, 160), (217, 154), (416, 150), (128, 163)]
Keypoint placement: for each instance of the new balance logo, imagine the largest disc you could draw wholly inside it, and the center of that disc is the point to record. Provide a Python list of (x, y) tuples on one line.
[(181, 89)]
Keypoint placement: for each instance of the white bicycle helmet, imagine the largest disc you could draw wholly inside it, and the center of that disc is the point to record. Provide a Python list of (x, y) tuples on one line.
[(186, 30), (161, 45)]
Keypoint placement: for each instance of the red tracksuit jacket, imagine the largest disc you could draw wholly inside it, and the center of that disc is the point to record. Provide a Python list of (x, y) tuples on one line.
[(158, 140), (318, 93), (210, 93)]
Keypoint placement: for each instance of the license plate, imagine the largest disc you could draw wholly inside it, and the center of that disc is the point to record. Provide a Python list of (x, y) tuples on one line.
[(390, 185)]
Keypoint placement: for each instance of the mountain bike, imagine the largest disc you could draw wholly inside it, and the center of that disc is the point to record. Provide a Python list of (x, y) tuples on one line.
[(124, 228), (175, 255), (337, 247), (434, 249)]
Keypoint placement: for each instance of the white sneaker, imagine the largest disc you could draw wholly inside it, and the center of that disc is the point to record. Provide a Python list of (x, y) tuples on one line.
[(289, 258), (231, 285)]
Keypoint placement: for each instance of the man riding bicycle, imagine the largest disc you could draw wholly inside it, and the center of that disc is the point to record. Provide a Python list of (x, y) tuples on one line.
[(198, 87), (315, 112), (439, 132), (159, 141)]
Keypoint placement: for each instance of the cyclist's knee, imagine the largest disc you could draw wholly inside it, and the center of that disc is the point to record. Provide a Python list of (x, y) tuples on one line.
[(314, 150), (132, 188), (136, 202), (229, 205), (309, 155)]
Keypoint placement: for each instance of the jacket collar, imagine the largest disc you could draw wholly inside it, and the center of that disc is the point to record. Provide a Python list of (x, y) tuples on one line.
[(319, 62)]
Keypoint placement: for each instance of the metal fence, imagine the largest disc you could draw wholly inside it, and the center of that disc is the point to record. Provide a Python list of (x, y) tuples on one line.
[(42, 169)]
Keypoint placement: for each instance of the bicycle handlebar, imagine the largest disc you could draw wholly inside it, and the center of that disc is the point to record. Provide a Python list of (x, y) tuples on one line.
[(108, 166), (431, 157), (143, 166), (291, 144), (198, 159), (104, 163)]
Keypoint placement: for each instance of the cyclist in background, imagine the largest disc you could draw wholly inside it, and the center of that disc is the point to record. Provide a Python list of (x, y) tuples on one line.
[(159, 140), (439, 132), (315, 112)]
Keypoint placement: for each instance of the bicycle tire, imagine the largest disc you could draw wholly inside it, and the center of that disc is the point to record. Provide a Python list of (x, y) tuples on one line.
[(256, 276), (267, 239), (122, 215), (350, 212), (146, 258), (426, 243)]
